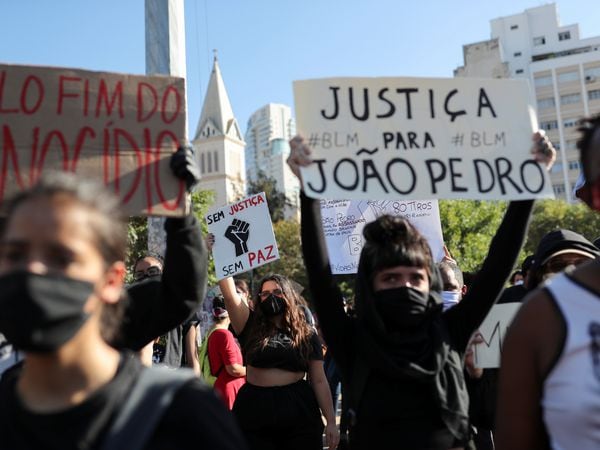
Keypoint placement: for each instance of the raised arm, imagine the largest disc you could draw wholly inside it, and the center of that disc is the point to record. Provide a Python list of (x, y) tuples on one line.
[(237, 309), (465, 318), (328, 300)]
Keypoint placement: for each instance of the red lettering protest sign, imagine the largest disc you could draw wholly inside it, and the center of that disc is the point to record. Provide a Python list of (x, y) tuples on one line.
[(119, 129)]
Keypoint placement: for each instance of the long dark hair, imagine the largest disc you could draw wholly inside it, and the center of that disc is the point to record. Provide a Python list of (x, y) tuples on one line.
[(293, 321)]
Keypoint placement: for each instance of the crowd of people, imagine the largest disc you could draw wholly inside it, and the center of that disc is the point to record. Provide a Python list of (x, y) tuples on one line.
[(89, 365)]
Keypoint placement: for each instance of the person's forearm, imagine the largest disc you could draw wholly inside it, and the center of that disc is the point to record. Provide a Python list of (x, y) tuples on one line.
[(323, 394)]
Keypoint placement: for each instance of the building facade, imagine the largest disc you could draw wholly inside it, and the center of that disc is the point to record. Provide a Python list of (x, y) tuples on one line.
[(269, 130), (562, 68), (219, 145)]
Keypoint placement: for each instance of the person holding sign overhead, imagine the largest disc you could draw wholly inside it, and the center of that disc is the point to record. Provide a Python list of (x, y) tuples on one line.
[(277, 408), (401, 356)]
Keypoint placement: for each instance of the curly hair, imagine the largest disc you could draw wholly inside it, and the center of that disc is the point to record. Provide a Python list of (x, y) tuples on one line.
[(589, 127), (293, 321), (392, 241)]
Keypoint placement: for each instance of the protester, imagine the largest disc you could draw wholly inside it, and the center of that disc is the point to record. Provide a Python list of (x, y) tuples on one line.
[(277, 408), (180, 347), (516, 278), (549, 394), (62, 275), (453, 287), (401, 357), (165, 296), (224, 355), (517, 292)]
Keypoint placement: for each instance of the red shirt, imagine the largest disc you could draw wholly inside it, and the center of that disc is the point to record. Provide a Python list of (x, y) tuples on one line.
[(223, 350)]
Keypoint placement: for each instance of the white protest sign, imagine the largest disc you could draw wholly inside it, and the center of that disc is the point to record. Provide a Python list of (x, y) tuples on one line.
[(419, 138), (493, 330), (344, 220), (244, 237)]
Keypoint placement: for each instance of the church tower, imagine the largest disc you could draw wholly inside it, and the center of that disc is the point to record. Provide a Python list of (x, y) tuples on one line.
[(219, 144)]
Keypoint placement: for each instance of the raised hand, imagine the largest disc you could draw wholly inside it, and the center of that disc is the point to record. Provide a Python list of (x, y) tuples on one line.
[(185, 167), (238, 233), (542, 149), (299, 155)]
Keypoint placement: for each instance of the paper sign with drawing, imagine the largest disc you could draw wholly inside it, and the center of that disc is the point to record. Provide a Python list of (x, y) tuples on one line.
[(244, 237), (344, 220), (419, 138)]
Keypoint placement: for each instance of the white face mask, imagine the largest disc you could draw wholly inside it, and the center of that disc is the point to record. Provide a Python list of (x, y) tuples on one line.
[(450, 298)]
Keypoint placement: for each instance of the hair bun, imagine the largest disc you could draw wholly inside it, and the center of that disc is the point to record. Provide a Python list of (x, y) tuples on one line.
[(386, 229)]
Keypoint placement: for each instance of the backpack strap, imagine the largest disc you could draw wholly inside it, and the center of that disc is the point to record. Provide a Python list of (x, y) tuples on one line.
[(150, 397)]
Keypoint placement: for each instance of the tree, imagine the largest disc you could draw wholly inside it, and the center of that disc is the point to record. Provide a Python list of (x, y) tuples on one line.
[(277, 200), (468, 227), (137, 232), (551, 215)]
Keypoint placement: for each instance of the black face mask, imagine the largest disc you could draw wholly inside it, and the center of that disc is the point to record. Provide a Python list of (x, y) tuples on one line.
[(39, 313), (272, 306), (402, 308)]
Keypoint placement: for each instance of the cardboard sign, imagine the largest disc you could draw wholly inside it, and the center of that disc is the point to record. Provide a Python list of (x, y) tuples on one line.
[(419, 138), (493, 330), (344, 220), (117, 129), (244, 237)]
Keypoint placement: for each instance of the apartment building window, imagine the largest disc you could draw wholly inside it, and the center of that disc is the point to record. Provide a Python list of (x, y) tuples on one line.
[(571, 144), (591, 73), (517, 54), (568, 76), (569, 99), (564, 35), (558, 189), (594, 95), (518, 71), (549, 125), (570, 123), (574, 165), (543, 81), (546, 103), (556, 168), (514, 27), (540, 40)]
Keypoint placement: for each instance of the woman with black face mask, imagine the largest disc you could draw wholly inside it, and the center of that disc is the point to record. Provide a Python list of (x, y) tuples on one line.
[(62, 271), (401, 357), (277, 408)]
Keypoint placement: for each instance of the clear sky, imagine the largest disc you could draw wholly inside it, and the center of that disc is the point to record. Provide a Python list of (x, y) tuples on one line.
[(263, 45)]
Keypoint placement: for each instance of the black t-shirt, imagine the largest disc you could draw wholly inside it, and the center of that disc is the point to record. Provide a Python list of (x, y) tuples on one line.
[(195, 419), (279, 352)]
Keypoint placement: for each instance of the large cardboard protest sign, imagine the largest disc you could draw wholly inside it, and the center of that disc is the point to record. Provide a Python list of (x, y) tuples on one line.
[(118, 129), (419, 138), (244, 237), (344, 220), (493, 330)]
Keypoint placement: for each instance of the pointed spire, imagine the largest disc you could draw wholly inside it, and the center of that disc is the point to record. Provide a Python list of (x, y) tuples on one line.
[(217, 117)]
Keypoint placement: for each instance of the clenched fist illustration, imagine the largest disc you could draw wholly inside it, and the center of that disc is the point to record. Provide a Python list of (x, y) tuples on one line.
[(238, 233)]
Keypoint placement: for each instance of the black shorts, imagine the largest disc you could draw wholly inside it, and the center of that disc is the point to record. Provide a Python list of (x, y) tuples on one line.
[(279, 417)]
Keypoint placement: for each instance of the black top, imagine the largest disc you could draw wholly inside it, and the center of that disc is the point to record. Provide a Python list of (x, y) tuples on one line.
[(393, 410), (195, 419), (278, 353), (158, 305)]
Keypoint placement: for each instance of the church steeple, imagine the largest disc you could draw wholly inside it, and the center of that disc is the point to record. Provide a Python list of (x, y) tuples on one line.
[(217, 117)]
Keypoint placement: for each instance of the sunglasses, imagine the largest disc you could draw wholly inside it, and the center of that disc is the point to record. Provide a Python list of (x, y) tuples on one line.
[(152, 271), (265, 294)]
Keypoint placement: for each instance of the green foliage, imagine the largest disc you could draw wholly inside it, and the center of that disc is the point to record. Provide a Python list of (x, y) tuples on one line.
[(277, 200), (551, 215), (468, 227), (137, 232)]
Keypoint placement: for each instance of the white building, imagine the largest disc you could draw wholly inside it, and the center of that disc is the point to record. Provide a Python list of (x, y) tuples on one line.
[(563, 69), (267, 148), (219, 144)]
